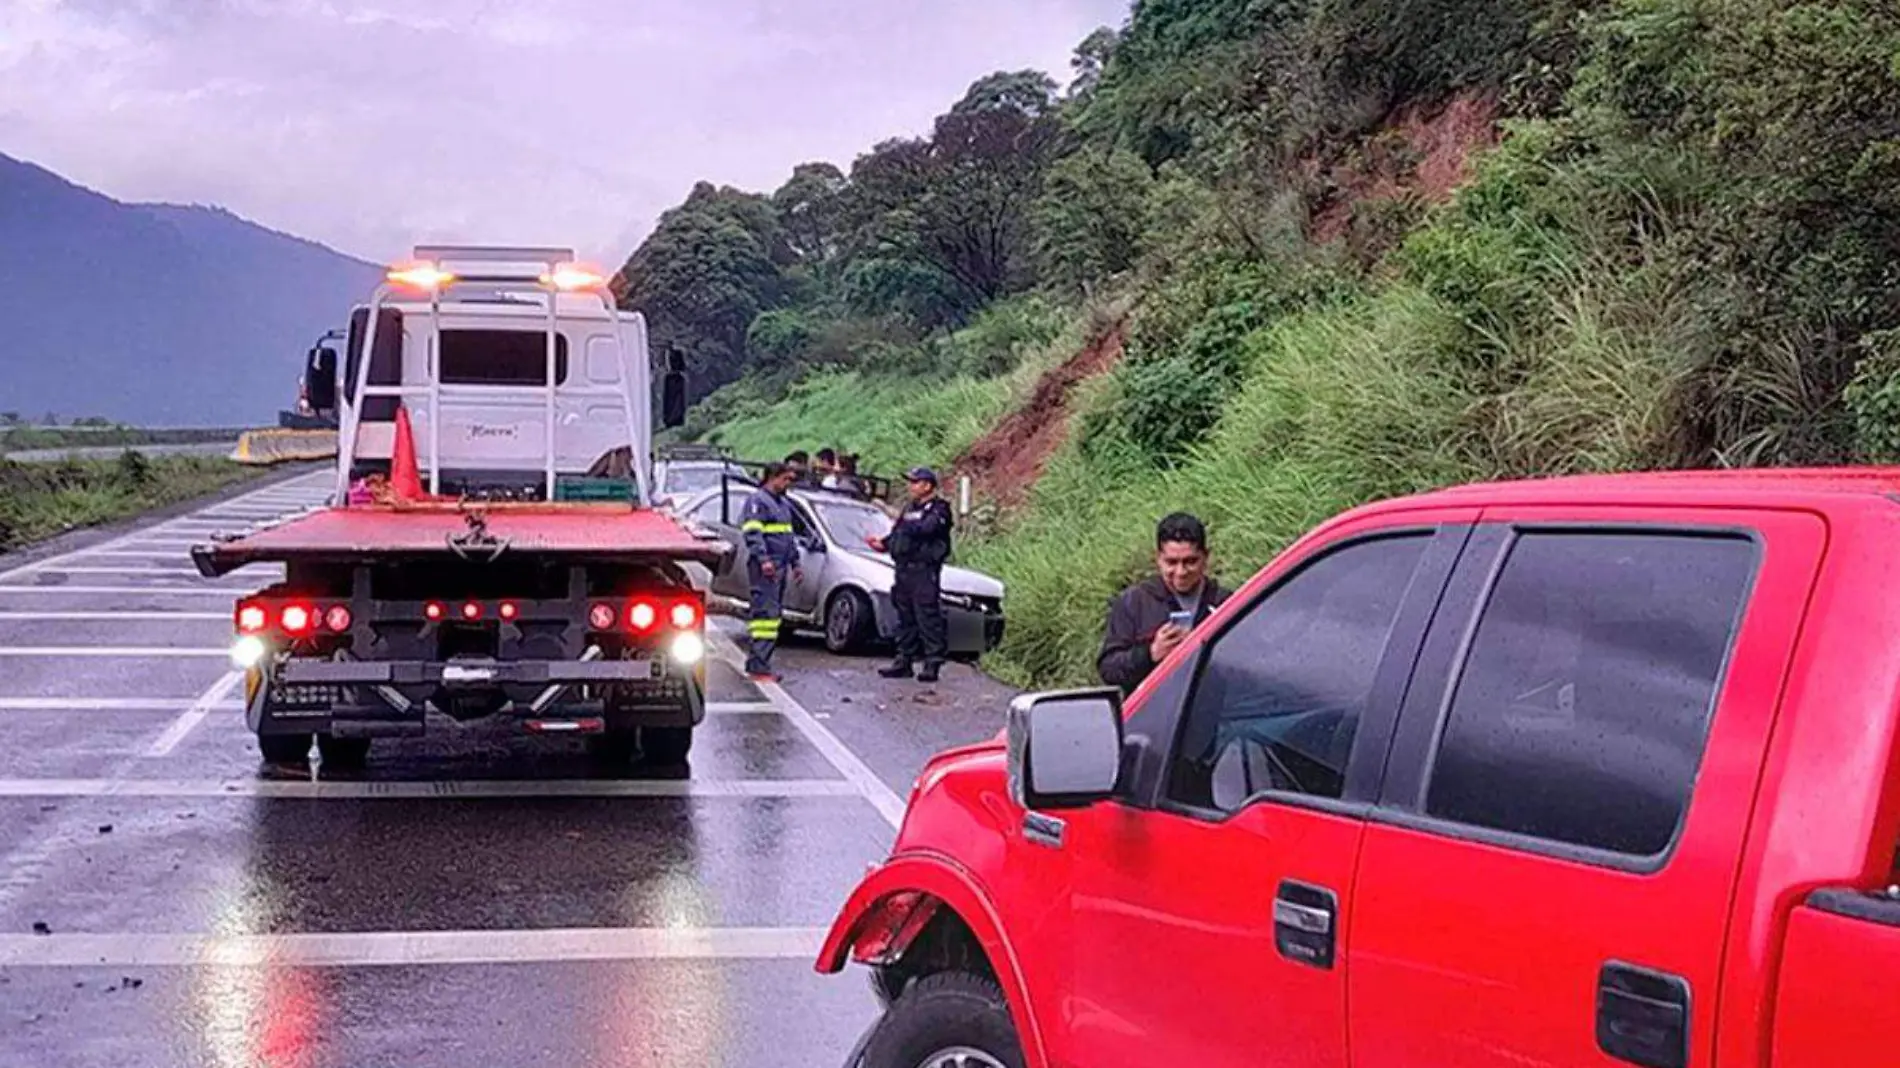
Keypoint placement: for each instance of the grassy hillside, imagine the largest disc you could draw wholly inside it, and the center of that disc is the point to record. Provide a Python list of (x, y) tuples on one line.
[(1378, 247), (38, 501)]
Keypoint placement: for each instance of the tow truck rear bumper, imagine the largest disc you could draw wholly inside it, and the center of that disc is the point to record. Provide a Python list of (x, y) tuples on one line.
[(378, 698)]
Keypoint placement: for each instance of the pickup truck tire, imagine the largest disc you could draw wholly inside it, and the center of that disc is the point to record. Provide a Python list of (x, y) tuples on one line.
[(848, 621), (666, 745), (284, 748), (946, 1020), (346, 753)]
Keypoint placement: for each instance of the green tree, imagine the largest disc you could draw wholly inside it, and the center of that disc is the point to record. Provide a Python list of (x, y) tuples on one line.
[(707, 270), (810, 207), (1092, 217)]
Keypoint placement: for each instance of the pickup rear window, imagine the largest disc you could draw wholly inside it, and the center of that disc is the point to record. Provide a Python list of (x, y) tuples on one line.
[(501, 358), (1584, 703)]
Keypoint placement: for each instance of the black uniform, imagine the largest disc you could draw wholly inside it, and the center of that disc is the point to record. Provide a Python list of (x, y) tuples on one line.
[(919, 544)]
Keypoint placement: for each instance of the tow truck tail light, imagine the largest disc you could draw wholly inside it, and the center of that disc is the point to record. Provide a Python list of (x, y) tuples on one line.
[(471, 610), (643, 615), (685, 615), (508, 610), (252, 618), (601, 617), (434, 611), (338, 618), (297, 619)]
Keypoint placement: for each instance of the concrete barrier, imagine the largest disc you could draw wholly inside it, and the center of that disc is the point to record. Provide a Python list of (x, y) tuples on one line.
[(276, 446)]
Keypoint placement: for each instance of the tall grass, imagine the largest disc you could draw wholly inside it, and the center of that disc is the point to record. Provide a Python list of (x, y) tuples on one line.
[(38, 501)]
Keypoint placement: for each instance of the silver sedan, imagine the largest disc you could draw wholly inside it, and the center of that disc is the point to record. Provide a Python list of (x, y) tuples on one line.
[(844, 588)]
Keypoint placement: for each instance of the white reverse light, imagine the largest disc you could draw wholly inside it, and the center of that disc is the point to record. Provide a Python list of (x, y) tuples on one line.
[(689, 648), (249, 651)]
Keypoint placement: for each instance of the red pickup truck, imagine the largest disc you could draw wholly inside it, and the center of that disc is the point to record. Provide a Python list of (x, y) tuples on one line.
[(1587, 771)]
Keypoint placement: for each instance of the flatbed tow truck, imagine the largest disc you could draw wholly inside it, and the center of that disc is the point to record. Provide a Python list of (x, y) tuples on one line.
[(529, 578)]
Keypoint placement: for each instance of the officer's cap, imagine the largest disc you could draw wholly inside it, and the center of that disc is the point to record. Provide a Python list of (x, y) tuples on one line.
[(921, 474)]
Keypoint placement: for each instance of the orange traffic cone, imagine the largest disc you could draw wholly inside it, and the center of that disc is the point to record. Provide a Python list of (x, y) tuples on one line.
[(405, 480)]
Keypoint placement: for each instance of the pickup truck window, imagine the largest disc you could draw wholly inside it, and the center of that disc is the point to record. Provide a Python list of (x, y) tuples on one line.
[(1584, 703), (500, 358), (1281, 691)]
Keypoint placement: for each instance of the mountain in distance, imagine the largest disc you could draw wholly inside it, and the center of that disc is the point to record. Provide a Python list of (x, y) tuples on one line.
[(156, 314)]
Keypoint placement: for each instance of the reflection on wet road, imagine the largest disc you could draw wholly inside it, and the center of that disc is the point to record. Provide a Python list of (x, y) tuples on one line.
[(472, 897)]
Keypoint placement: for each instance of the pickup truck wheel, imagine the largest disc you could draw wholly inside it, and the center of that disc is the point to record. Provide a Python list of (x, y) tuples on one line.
[(666, 745), (947, 1020), (284, 748), (343, 752), (848, 621)]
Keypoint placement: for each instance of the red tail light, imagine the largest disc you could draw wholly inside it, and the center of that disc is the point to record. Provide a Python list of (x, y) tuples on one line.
[(434, 611), (297, 619), (508, 610), (337, 618), (685, 615), (252, 618), (643, 615), (601, 617), (471, 610)]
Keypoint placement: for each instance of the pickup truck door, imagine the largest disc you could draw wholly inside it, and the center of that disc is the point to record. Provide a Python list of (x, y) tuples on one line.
[(1208, 902), (1548, 876)]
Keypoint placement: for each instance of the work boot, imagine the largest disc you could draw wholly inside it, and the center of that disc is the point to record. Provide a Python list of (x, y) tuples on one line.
[(929, 673), (898, 670)]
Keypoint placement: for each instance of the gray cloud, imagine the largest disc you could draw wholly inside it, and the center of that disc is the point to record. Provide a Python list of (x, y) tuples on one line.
[(370, 124)]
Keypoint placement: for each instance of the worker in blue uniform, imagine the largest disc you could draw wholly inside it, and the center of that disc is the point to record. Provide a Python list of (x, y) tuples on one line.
[(771, 555)]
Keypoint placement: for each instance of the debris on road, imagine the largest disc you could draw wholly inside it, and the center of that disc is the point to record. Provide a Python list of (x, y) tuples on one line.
[(105, 828), (40, 928)]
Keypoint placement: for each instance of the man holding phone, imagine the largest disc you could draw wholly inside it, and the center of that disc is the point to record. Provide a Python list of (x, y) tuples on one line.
[(1149, 619)]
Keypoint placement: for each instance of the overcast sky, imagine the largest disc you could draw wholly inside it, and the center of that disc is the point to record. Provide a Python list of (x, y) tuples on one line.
[(370, 124)]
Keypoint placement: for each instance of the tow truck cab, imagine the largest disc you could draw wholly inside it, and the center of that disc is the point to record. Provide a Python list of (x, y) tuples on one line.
[(490, 549), (1581, 772)]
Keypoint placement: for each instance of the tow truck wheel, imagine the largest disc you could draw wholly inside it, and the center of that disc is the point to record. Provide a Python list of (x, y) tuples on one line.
[(343, 752), (666, 745), (947, 1020), (284, 748)]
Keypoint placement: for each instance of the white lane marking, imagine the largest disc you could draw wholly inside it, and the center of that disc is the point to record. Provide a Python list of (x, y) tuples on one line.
[(160, 591), (189, 719), (147, 530), (855, 770), (103, 704), (111, 617), (389, 948), (138, 554), (144, 652), (452, 789), (716, 708), (144, 572)]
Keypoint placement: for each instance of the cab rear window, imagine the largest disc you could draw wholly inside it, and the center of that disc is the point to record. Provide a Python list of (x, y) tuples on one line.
[(500, 358), (1585, 700)]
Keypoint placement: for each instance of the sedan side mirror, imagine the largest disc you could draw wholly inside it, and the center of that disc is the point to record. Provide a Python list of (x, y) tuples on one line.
[(815, 544), (1065, 748)]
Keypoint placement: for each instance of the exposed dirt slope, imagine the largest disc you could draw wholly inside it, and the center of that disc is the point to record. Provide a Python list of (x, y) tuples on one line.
[(1004, 463)]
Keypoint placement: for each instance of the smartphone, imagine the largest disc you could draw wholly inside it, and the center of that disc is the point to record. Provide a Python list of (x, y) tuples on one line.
[(1182, 619)]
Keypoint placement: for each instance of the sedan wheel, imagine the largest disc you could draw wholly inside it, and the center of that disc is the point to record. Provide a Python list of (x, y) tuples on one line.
[(847, 621)]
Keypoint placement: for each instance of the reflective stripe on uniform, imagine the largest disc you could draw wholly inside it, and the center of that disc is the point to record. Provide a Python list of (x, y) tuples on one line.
[(761, 527), (762, 628)]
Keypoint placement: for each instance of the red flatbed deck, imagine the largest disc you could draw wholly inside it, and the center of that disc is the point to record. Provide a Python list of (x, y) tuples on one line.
[(595, 530)]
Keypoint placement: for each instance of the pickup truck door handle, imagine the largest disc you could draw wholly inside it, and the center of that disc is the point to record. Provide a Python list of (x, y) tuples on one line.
[(1643, 1016), (1305, 923)]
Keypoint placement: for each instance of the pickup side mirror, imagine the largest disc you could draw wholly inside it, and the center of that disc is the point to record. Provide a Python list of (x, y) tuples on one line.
[(319, 379), (1065, 748)]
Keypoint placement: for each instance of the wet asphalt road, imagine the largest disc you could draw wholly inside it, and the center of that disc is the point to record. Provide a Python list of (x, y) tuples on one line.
[(472, 898)]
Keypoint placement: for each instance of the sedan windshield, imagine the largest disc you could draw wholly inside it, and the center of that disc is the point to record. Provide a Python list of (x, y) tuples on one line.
[(851, 524)]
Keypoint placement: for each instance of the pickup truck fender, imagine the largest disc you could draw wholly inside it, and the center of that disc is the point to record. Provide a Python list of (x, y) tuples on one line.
[(893, 903)]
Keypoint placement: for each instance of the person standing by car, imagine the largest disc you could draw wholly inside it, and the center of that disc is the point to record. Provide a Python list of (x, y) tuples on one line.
[(919, 543), (771, 552), (1147, 620)]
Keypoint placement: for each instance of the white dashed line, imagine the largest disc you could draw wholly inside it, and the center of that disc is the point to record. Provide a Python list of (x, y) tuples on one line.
[(141, 652), (101, 704), (463, 789), (8, 616), (188, 720), (389, 948)]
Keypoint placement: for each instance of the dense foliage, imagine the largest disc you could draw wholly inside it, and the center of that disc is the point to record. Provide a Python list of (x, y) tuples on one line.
[(1674, 241)]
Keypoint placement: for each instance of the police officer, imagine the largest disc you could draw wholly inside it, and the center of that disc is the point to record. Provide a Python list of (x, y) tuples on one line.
[(771, 553), (919, 544)]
